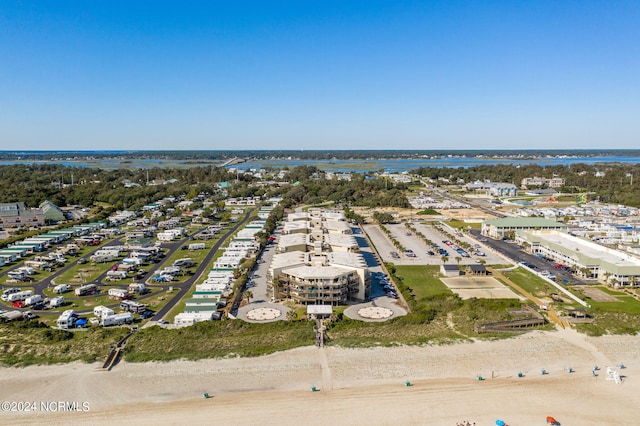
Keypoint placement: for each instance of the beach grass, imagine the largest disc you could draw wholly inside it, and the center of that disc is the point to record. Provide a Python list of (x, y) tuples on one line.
[(33, 342), (213, 339)]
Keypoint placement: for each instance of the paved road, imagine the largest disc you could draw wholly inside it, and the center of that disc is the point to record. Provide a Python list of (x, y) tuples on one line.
[(185, 287), (514, 252)]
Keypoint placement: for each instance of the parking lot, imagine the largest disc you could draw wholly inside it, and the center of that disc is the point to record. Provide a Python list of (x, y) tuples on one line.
[(409, 240)]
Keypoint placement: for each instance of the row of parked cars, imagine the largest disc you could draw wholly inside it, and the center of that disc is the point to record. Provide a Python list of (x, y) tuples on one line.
[(386, 284)]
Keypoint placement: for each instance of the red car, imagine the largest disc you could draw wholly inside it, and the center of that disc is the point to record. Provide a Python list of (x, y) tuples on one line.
[(18, 304)]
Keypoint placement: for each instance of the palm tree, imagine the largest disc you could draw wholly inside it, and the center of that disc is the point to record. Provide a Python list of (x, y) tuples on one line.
[(586, 272), (292, 315), (458, 259), (248, 295), (444, 259), (276, 288)]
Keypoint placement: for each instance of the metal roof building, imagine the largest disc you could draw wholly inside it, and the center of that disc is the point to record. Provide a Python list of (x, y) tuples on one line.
[(499, 228)]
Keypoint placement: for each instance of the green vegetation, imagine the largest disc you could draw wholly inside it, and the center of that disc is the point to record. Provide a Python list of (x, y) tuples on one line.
[(33, 342), (460, 224), (382, 218), (429, 211), (531, 282), (611, 323), (434, 309), (421, 281), (217, 339)]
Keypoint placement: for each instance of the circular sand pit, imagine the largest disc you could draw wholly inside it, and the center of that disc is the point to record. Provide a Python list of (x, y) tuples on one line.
[(263, 314), (375, 312)]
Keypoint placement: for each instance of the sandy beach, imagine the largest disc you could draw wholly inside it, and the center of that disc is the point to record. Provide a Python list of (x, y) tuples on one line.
[(355, 386)]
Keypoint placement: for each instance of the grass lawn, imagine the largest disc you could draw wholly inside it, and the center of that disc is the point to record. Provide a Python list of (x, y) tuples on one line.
[(159, 300), (413, 189), (423, 280), (610, 291), (627, 304), (457, 224), (530, 282), (568, 198), (84, 273)]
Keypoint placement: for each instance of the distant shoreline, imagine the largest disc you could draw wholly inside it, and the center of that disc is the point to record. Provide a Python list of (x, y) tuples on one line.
[(330, 161)]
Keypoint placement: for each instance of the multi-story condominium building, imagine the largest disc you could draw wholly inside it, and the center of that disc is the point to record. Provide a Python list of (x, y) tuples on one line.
[(554, 182), (318, 261)]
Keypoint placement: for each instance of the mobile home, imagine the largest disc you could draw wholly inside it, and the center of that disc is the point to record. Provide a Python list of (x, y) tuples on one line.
[(138, 288), (61, 288), (56, 302), (66, 319), (8, 292), (20, 296), (119, 319), (131, 306), (118, 293), (86, 290), (32, 300), (117, 275), (103, 311)]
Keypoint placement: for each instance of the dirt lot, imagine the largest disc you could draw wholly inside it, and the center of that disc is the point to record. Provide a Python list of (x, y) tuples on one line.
[(599, 295), (481, 287)]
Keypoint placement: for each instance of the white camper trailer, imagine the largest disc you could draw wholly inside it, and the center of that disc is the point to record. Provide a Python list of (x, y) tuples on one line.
[(86, 290), (66, 319), (118, 293), (103, 311), (20, 296), (56, 302), (61, 288), (119, 319)]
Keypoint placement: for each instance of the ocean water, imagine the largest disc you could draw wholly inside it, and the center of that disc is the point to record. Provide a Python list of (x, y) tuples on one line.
[(394, 165)]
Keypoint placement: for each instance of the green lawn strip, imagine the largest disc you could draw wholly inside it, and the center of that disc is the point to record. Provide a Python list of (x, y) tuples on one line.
[(423, 280), (457, 224), (84, 273), (626, 305), (160, 299), (530, 282), (610, 291), (567, 198)]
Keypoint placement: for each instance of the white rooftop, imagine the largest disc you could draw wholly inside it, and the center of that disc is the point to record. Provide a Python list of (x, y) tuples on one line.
[(320, 272), (590, 249)]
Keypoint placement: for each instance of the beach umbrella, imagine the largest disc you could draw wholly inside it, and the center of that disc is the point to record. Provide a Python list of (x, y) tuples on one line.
[(551, 420), (500, 422)]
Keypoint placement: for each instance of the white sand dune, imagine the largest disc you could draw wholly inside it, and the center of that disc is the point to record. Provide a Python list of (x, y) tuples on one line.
[(356, 386)]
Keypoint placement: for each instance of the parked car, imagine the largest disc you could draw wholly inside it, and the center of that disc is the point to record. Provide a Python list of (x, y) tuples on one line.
[(147, 314), (29, 315), (39, 306)]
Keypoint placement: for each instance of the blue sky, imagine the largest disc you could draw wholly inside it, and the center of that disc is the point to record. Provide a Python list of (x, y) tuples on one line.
[(319, 75)]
